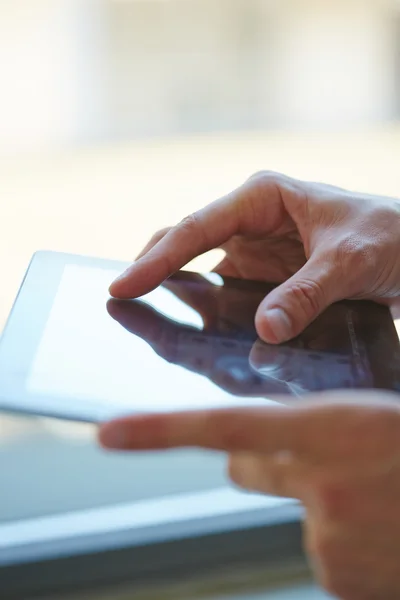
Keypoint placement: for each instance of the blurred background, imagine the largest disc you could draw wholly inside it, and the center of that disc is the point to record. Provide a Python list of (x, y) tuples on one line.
[(119, 117), (79, 72)]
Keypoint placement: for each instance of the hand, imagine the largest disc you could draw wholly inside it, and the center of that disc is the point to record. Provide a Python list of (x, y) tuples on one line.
[(321, 243), (338, 454)]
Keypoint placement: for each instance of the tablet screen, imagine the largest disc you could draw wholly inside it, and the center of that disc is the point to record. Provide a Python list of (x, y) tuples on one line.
[(146, 356), (192, 344)]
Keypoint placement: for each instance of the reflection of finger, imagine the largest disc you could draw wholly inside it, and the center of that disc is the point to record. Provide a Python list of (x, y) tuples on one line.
[(145, 322), (153, 241), (278, 475), (137, 318), (195, 291), (238, 380), (266, 358)]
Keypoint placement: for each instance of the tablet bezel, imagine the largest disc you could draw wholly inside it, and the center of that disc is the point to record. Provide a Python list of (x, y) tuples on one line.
[(38, 290)]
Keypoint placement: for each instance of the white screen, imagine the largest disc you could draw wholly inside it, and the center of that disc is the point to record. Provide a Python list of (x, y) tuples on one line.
[(87, 356)]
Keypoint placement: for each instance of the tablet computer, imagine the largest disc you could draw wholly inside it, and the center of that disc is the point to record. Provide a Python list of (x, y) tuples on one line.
[(69, 351), (73, 516)]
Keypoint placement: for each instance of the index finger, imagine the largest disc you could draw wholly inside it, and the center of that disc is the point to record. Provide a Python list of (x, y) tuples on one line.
[(226, 429), (256, 207), (204, 230), (328, 428)]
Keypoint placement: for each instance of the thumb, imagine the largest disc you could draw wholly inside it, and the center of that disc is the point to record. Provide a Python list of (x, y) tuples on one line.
[(289, 308)]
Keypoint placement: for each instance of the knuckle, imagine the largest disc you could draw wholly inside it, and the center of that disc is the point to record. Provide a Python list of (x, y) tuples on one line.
[(357, 251), (192, 226), (386, 216), (261, 203), (308, 296), (266, 177), (190, 222), (262, 175)]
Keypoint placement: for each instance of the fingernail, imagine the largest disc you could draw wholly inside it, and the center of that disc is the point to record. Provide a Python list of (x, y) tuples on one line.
[(279, 324), (115, 436)]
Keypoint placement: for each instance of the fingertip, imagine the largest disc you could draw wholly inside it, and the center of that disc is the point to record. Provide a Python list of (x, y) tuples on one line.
[(273, 325), (115, 291), (119, 288), (112, 291), (136, 433), (264, 330), (139, 279), (114, 435)]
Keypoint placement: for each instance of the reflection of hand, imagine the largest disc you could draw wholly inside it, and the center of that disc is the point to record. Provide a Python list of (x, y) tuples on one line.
[(227, 350), (306, 369), (222, 357), (339, 454), (282, 363), (220, 306), (322, 243)]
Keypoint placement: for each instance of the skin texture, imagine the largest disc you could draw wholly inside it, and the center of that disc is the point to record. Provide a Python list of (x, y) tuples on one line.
[(338, 453)]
